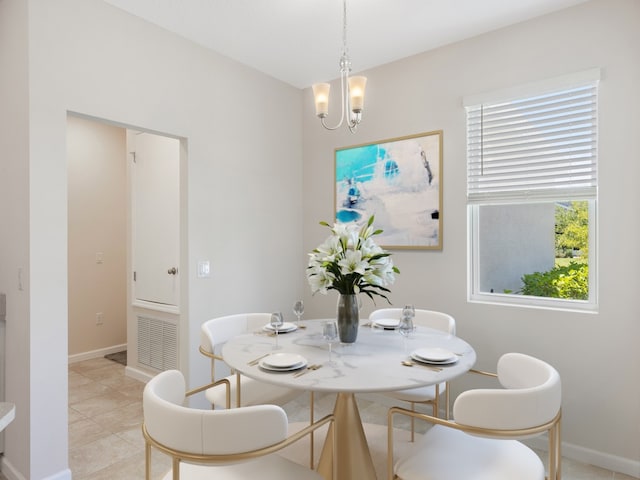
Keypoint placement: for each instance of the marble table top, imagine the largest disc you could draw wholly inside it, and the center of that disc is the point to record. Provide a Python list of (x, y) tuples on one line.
[(371, 364)]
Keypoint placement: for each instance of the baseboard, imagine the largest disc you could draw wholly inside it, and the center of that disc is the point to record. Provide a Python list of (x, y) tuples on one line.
[(138, 374), (591, 457), (63, 475), (101, 352), (9, 471), (12, 474)]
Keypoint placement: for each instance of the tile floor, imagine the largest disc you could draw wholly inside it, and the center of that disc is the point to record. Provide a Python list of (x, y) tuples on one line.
[(105, 440)]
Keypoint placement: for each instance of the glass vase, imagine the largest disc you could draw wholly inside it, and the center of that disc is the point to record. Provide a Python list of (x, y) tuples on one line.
[(348, 318)]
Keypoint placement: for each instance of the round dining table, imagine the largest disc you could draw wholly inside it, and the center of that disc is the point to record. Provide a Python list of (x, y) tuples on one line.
[(374, 363)]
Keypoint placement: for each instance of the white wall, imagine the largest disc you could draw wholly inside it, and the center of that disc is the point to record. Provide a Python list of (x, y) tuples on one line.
[(596, 354), (245, 135), (243, 175), (97, 206), (14, 217)]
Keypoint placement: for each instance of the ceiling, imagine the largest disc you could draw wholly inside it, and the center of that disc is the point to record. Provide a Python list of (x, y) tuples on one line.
[(300, 41)]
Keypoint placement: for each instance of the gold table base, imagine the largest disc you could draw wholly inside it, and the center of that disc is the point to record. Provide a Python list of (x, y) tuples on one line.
[(353, 457)]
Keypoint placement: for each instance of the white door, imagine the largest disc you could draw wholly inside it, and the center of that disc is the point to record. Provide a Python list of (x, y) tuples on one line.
[(156, 219)]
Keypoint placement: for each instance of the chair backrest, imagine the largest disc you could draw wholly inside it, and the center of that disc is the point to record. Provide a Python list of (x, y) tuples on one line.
[(426, 318), (532, 396), (206, 432), (217, 331)]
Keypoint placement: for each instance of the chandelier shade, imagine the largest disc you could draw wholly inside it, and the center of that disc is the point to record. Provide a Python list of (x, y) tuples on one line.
[(321, 96), (356, 93)]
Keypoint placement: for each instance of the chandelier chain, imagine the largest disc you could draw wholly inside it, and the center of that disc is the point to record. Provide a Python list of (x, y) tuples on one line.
[(345, 50)]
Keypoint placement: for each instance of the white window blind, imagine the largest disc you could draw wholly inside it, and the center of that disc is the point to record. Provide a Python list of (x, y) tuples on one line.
[(535, 147)]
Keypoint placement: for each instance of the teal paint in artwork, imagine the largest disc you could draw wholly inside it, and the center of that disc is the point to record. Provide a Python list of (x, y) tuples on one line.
[(358, 163), (346, 216)]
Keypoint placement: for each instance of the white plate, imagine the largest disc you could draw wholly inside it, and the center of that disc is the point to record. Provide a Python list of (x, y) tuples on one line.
[(283, 361), (434, 355), (433, 362), (286, 327), (386, 323), (287, 369)]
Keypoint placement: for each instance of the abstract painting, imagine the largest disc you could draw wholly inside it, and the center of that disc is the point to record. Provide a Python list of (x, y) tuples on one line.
[(400, 182)]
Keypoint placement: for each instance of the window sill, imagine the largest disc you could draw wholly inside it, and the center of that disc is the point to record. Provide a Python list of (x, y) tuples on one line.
[(510, 300)]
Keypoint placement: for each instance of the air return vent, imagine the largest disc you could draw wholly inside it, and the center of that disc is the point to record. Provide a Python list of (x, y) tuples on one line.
[(157, 343)]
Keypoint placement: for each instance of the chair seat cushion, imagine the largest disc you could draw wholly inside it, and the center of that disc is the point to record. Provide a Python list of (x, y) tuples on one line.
[(252, 392), (270, 467), (446, 453), (418, 394)]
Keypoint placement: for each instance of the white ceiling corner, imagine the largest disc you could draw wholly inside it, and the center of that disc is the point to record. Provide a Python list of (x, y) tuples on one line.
[(299, 41)]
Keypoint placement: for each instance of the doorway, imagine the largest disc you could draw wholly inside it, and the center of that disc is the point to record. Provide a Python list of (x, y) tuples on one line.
[(97, 238), (105, 256)]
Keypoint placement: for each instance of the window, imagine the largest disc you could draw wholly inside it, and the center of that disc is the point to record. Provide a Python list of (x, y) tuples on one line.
[(532, 193)]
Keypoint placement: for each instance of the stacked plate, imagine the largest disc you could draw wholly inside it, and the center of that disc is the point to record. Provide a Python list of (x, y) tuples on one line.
[(283, 362), (434, 356), (386, 323), (286, 327)]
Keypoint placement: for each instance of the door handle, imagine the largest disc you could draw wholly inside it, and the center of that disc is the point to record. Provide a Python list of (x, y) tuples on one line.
[(172, 271)]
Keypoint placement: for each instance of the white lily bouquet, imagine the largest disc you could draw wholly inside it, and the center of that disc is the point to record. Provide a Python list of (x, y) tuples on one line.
[(350, 262)]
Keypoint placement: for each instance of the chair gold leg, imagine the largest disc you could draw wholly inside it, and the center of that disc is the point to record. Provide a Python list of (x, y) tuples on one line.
[(312, 437), (413, 423), (390, 446), (552, 454), (559, 450), (147, 461), (213, 379), (238, 404), (176, 468), (447, 408), (555, 453)]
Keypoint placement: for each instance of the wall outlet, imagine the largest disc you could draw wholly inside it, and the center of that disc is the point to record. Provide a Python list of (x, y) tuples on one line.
[(99, 318)]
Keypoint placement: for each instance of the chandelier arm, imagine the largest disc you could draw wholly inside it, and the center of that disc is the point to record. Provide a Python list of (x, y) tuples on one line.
[(331, 128), (344, 98)]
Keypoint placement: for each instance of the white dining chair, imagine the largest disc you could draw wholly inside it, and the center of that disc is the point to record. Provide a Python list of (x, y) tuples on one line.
[(224, 444), (483, 440), (244, 391), (429, 394)]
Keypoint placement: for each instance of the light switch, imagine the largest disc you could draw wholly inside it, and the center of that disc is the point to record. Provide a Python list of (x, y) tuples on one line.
[(204, 269), (99, 257)]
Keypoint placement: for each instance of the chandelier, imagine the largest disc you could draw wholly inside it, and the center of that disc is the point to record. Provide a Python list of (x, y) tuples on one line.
[(351, 89)]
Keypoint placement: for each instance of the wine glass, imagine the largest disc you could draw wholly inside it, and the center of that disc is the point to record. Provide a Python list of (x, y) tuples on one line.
[(405, 328), (298, 309), (330, 334), (276, 322), (409, 311)]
